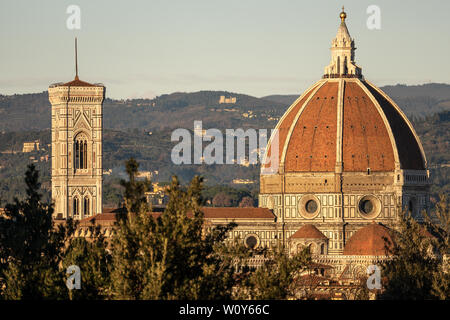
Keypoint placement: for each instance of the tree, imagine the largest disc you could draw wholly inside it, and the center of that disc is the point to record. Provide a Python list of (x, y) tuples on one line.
[(92, 257), (170, 256), (31, 247), (222, 200), (247, 202), (416, 269), (275, 279), (194, 269), (131, 242), (439, 225)]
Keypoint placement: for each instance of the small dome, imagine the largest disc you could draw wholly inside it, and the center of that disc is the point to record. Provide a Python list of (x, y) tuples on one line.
[(308, 231), (368, 241)]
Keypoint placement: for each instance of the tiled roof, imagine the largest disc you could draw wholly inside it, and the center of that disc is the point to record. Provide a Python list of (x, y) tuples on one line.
[(237, 213), (368, 241), (312, 145), (308, 131), (408, 149), (310, 280), (109, 214), (78, 83), (285, 124), (308, 231)]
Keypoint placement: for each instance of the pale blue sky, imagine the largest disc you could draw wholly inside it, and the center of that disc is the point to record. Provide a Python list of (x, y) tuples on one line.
[(258, 47)]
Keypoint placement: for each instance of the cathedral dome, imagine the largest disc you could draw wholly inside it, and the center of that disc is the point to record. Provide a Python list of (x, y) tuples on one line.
[(369, 241), (344, 121)]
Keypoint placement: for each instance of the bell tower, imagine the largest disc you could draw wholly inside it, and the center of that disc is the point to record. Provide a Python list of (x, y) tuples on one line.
[(76, 147)]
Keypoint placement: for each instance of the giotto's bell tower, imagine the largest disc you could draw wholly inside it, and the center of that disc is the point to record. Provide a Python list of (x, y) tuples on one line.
[(76, 147)]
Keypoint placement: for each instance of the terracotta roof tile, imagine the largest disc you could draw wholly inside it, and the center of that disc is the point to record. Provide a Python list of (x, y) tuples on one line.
[(312, 146), (368, 241), (78, 83), (366, 142), (408, 149), (308, 231), (237, 213), (365, 138), (285, 125), (109, 214)]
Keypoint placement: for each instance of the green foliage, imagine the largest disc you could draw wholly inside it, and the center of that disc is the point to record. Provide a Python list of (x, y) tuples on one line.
[(226, 196), (94, 260), (275, 280), (134, 194), (31, 247), (134, 267), (439, 224), (195, 271), (168, 257), (417, 269)]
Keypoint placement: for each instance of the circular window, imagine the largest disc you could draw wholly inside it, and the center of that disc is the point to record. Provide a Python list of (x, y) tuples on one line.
[(251, 241), (309, 206), (369, 206), (366, 206)]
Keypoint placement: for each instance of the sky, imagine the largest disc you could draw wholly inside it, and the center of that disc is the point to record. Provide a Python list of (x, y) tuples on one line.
[(257, 47)]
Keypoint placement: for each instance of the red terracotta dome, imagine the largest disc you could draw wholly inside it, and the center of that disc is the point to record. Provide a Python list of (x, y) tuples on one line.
[(368, 241), (345, 121), (308, 231), (350, 115)]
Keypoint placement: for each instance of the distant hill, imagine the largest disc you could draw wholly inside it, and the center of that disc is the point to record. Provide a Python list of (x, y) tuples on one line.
[(439, 91), (287, 99), (420, 100), (154, 153), (31, 112)]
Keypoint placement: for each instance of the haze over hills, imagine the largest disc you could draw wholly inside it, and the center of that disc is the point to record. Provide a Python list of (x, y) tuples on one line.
[(32, 111)]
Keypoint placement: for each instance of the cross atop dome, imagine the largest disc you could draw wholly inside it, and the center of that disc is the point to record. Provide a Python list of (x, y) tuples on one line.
[(342, 53)]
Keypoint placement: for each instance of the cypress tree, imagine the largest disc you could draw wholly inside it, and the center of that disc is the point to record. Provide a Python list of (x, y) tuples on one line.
[(31, 247)]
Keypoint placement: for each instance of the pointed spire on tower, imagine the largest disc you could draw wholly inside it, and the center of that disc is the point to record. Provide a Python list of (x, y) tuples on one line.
[(342, 53), (77, 82), (76, 60)]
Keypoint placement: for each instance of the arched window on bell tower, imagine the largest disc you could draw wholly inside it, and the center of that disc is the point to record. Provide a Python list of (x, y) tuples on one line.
[(80, 152), (86, 206), (76, 207)]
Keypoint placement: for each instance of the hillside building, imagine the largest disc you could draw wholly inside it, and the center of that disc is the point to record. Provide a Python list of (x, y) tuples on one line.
[(30, 146), (231, 100)]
